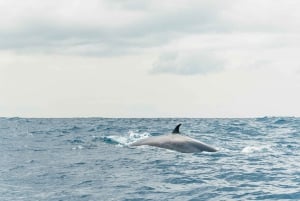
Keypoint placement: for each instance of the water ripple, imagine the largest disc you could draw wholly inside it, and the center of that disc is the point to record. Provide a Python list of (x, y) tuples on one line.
[(89, 159)]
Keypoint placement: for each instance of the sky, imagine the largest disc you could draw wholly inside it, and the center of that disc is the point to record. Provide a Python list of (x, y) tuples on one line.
[(138, 58)]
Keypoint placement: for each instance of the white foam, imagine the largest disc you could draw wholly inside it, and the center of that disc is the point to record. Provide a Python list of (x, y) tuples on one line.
[(130, 138), (253, 149), (78, 147)]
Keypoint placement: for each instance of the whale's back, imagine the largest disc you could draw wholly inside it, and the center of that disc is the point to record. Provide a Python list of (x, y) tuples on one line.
[(176, 142)]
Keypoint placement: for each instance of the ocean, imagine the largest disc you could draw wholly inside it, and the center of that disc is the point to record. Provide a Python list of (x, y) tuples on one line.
[(90, 159)]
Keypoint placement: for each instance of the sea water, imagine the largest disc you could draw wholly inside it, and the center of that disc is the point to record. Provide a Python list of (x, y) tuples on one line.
[(91, 159)]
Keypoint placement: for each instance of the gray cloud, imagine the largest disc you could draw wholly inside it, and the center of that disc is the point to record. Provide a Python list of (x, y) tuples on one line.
[(190, 63), (157, 27), (129, 4), (49, 37)]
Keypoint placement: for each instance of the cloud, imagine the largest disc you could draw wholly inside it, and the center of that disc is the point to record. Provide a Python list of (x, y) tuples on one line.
[(112, 27), (63, 27), (129, 4), (104, 49), (187, 63), (100, 28)]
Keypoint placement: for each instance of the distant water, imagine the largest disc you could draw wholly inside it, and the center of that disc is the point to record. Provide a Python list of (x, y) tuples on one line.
[(90, 159)]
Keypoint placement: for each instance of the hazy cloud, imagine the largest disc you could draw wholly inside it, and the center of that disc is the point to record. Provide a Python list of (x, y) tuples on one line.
[(108, 28), (188, 63), (102, 28), (96, 57)]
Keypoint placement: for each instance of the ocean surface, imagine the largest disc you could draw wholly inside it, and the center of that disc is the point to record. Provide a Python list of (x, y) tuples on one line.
[(91, 159)]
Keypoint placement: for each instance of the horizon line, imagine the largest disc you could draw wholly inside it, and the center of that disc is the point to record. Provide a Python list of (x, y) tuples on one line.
[(161, 117)]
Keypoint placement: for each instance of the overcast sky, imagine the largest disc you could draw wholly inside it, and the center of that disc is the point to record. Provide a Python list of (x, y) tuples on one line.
[(154, 58)]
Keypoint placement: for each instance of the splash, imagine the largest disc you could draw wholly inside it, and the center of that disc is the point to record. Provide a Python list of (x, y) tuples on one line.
[(255, 149), (126, 140)]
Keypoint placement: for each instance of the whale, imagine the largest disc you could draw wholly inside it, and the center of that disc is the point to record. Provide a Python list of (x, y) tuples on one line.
[(176, 142)]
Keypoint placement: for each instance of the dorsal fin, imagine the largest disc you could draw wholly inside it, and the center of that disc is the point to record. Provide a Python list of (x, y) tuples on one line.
[(176, 129)]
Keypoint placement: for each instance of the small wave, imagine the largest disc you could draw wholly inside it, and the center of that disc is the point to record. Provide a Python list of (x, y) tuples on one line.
[(85, 146), (14, 118), (130, 138), (263, 119), (76, 141), (79, 147), (281, 121), (74, 128), (254, 149), (111, 139)]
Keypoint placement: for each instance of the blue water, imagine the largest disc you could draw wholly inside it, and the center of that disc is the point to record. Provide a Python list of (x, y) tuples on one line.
[(90, 159)]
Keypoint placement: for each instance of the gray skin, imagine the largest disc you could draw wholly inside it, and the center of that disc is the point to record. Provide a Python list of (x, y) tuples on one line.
[(176, 142)]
